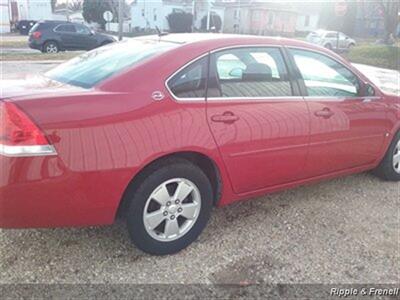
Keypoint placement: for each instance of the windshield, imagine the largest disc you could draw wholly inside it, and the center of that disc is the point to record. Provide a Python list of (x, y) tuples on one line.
[(90, 68)]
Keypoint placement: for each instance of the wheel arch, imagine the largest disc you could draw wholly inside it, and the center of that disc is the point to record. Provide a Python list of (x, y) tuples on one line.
[(204, 162), (54, 41)]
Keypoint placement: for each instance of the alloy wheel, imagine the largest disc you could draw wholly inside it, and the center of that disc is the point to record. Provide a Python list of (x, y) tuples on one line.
[(172, 209), (51, 48)]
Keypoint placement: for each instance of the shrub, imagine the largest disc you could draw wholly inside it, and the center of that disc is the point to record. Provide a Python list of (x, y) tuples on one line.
[(376, 55)]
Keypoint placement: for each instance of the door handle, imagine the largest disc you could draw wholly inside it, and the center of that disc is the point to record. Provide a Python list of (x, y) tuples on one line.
[(325, 113), (368, 100), (226, 117)]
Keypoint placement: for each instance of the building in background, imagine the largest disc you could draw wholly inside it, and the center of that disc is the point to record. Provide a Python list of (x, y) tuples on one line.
[(4, 16), (308, 17), (33, 10), (147, 15), (65, 14), (151, 14), (259, 17), (12, 11)]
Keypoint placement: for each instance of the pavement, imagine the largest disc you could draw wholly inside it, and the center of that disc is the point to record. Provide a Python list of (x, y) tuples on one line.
[(341, 231)]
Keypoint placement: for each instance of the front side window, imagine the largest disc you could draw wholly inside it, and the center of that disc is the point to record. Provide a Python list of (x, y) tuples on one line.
[(191, 81), (81, 29), (249, 73), (331, 35), (92, 67), (324, 76)]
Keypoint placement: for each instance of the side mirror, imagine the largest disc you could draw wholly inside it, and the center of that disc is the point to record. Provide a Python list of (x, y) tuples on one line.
[(236, 73), (368, 90)]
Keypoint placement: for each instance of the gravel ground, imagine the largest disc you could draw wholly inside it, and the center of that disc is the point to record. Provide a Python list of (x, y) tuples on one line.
[(341, 231)]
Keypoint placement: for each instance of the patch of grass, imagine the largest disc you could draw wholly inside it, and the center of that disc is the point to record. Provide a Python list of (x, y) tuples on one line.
[(13, 44), (376, 55), (38, 56)]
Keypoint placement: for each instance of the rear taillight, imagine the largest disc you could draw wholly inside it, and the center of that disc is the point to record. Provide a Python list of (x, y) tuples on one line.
[(36, 35), (19, 136)]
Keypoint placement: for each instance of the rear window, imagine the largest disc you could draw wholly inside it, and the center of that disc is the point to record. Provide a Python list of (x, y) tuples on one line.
[(95, 66), (34, 28)]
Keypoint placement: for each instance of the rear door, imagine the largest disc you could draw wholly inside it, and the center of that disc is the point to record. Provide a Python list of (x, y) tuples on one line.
[(347, 128), (257, 117)]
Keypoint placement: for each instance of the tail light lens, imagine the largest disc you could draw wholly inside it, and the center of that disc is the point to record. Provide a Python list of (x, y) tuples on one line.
[(36, 35), (19, 136)]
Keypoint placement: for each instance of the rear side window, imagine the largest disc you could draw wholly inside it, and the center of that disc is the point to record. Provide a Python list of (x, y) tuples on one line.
[(191, 81), (324, 76), (65, 28), (249, 73)]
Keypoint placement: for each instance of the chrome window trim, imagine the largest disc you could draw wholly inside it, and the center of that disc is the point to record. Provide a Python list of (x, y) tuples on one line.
[(176, 72), (208, 53), (257, 99), (337, 61), (322, 53), (202, 99), (246, 46), (269, 98), (54, 29), (27, 151)]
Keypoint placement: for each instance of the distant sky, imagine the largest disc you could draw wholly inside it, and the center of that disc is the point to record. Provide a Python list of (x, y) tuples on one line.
[(64, 1)]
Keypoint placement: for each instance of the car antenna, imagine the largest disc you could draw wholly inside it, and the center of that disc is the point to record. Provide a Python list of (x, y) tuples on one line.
[(160, 33)]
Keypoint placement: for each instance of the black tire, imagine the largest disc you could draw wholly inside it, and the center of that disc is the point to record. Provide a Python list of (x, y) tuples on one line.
[(51, 47), (328, 46), (137, 198), (386, 169)]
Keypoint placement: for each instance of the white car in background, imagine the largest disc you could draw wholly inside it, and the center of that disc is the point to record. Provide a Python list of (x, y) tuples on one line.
[(332, 40)]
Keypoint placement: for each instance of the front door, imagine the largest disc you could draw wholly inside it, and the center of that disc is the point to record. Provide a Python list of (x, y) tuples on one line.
[(258, 122), (84, 39), (347, 128)]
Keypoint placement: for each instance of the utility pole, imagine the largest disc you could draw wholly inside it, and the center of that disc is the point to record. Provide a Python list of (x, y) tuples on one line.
[(208, 15), (239, 16), (193, 14), (120, 18), (67, 10)]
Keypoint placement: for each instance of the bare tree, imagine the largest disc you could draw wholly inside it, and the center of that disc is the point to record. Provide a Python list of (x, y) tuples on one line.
[(390, 9), (53, 5), (75, 5)]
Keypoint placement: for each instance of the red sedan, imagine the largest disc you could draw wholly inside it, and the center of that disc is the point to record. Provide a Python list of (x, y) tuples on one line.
[(161, 129)]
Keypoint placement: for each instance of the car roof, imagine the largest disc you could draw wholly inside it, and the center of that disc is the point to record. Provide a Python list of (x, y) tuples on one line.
[(57, 22), (222, 39)]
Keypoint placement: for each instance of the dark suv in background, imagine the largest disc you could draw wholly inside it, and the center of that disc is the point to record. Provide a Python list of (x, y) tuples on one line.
[(24, 26), (55, 36)]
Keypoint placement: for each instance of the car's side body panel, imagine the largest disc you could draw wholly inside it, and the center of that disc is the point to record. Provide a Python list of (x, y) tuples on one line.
[(105, 136)]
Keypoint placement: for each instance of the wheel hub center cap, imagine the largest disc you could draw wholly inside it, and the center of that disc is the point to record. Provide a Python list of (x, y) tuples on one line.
[(172, 209)]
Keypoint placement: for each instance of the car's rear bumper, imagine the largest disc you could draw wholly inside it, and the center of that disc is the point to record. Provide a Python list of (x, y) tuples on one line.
[(42, 192), (35, 45)]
